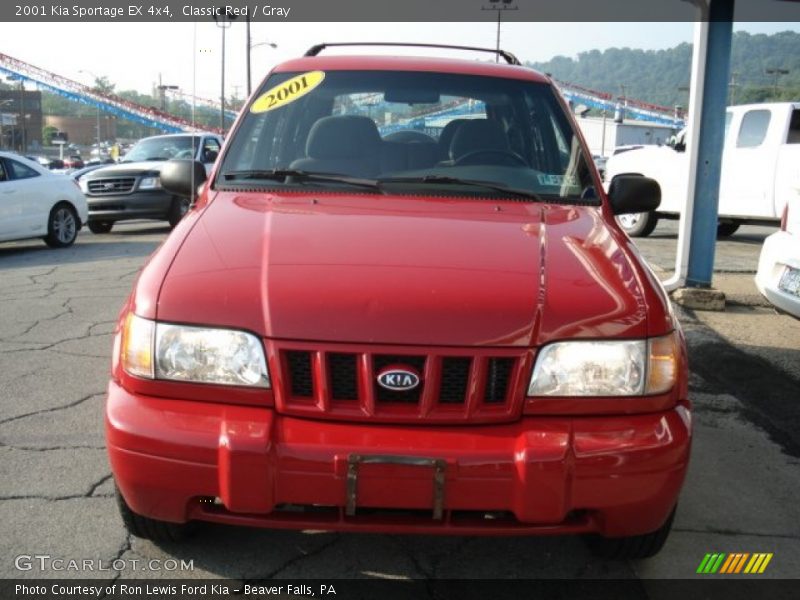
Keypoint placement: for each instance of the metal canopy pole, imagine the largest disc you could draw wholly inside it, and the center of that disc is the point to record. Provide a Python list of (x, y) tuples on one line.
[(709, 150)]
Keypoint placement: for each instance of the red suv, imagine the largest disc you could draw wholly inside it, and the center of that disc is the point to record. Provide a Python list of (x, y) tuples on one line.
[(401, 303)]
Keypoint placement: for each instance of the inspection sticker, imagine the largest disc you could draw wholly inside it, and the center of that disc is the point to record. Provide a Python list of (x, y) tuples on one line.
[(552, 179), (287, 92)]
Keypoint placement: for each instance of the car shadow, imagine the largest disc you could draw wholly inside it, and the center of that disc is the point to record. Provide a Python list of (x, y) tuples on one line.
[(240, 553), (34, 253)]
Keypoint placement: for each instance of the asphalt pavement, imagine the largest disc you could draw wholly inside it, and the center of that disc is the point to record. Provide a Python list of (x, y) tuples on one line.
[(58, 310)]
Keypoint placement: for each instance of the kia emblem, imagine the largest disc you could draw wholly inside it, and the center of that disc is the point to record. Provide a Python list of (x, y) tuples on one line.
[(398, 378)]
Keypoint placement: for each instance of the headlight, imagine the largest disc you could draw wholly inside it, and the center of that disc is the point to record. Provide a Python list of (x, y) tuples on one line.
[(606, 368), (83, 184), (193, 354), (150, 183)]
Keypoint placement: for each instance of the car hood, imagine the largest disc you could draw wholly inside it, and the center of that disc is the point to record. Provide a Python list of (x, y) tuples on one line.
[(130, 168), (404, 270)]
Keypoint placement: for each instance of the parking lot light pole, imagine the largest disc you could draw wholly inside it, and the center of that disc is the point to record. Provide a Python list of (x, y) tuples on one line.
[(96, 78), (250, 46), (223, 21)]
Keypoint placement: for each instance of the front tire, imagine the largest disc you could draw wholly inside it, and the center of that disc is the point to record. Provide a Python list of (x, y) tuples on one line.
[(177, 210), (633, 547), (638, 224), (100, 226), (151, 529), (727, 228), (62, 226)]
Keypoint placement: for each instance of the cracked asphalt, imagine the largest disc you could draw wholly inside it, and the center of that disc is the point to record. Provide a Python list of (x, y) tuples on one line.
[(57, 309)]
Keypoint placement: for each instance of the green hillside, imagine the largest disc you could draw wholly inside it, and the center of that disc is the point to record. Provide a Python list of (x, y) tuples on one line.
[(657, 75)]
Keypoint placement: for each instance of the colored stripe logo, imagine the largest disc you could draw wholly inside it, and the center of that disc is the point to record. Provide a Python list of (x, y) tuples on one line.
[(734, 563)]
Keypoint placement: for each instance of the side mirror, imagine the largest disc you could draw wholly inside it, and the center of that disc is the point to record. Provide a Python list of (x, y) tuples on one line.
[(630, 194), (182, 177)]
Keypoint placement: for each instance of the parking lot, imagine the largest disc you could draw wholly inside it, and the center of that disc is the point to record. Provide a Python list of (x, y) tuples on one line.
[(58, 310)]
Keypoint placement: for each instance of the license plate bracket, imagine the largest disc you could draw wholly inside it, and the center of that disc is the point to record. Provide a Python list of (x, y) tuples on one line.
[(438, 465)]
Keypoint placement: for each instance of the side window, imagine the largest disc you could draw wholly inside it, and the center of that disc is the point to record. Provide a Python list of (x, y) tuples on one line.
[(753, 129), (794, 128), (19, 171), (3, 176), (211, 149)]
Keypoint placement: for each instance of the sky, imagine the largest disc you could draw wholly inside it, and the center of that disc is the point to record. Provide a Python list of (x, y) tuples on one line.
[(188, 55)]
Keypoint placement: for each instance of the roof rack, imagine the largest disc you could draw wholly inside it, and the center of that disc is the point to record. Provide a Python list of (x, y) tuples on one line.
[(507, 56)]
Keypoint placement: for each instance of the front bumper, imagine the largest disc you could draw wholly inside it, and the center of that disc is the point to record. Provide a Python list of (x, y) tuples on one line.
[(153, 204), (779, 251), (177, 460)]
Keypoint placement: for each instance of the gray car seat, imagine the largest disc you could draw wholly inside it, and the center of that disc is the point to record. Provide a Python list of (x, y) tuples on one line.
[(346, 144), (477, 135)]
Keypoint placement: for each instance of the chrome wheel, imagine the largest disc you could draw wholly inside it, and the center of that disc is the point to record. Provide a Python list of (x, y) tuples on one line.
[(64, 226), (630, 221), (638, 224)]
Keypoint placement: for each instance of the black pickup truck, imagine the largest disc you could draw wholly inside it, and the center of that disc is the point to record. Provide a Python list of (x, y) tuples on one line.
[(131, 189)]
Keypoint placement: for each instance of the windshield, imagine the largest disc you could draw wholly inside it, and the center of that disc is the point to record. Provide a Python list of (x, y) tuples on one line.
[(163, 148), (407, 130)]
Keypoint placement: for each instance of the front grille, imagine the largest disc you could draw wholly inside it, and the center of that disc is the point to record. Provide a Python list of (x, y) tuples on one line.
[(110, 185), (343, 375), (471, 385), (455, 375), (300, 374), (497, 377)]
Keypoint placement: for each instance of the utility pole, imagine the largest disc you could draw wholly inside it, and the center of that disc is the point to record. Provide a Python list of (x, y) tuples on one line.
[(733, 85), (777, 73)]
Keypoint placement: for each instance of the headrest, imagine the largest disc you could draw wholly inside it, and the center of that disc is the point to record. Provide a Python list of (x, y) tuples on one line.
[(347, 136), (479, 134)]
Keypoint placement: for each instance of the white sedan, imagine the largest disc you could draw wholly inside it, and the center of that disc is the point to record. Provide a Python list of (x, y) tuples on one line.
[(778, 275), (35, 203)]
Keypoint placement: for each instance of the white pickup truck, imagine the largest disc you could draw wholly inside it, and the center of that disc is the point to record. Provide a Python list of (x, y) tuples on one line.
[(760, 169)]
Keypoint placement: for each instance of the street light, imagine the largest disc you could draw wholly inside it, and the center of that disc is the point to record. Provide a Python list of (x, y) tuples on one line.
[(499, 6), (223, 21), (250, 46), (96, 79)]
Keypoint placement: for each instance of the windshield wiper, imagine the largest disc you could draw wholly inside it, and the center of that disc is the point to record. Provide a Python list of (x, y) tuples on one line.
[(302, 176), (447, 180)]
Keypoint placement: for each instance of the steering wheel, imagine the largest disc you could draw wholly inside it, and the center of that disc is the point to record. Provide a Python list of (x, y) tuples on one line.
[(507, 157)]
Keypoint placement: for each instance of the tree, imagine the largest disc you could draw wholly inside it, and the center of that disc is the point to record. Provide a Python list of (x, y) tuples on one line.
[(48, 131), (102, 85)]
